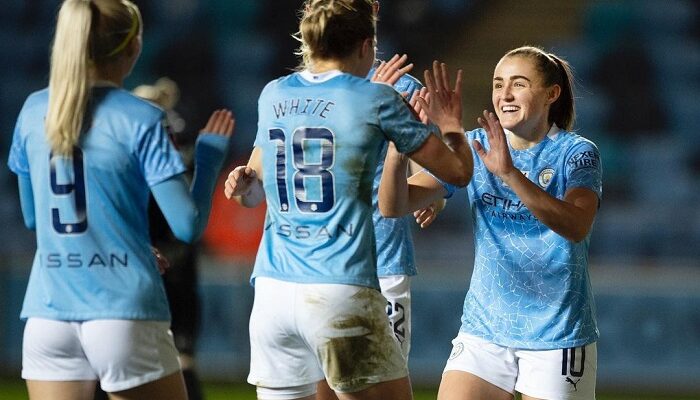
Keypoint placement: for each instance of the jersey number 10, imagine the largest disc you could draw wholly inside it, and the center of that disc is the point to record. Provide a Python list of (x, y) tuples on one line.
[(306, 172), (77, 188)]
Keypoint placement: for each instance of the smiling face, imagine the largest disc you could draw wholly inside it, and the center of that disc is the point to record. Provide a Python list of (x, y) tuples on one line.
[(520, 97)]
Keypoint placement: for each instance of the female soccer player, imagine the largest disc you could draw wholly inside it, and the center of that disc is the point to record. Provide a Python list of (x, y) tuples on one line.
[(529, 322), (86, 153), (317, 311)]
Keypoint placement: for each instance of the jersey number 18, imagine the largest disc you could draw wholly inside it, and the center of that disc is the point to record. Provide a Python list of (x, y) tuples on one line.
[(306, 172)]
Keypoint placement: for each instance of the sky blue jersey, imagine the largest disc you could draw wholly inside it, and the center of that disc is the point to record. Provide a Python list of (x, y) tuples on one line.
[(530, 287), (321, 137), (395, 254), (93, 257)]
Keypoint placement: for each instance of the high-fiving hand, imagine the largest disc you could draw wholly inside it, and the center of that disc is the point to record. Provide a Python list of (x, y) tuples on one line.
[(497, 159)]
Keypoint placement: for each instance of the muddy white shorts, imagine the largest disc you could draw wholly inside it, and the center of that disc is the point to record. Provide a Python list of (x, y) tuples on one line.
[(561, 374), (302, 333), (397, 291), (120, 354)]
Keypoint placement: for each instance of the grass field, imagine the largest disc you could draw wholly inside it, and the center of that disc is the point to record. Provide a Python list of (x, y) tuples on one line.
[(14, 389)]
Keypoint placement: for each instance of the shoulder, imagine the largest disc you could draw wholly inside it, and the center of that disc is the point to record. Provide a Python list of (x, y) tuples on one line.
[(573, 142), (38, 99), (124, 103)]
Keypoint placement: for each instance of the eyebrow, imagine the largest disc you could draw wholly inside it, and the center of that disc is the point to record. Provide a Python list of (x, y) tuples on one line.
[(514, 77)]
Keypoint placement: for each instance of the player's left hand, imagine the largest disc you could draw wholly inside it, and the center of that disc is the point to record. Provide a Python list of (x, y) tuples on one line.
[(391, 71), (161, 261), (221, 122), (498, 159), (424, 217)]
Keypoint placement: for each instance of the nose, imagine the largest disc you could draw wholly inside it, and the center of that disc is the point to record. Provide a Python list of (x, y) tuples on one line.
[(508, 93)]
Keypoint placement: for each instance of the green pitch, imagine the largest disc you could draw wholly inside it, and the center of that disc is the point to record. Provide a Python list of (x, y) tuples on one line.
[(14, 389)]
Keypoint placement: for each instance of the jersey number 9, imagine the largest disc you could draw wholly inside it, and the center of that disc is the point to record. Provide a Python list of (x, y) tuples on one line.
[(76, 188)]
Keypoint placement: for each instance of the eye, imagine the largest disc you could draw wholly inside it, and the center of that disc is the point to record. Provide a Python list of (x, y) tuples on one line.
[(497, 85), (519, 84)]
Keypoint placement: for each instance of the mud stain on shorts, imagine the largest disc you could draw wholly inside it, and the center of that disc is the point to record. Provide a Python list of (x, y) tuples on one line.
[(362, 351)]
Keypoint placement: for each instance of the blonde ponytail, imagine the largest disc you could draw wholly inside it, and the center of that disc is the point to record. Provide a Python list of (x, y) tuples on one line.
[(89, 34), (69, 81)]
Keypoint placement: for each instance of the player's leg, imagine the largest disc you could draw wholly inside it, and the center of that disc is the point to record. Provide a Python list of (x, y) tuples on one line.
[(398, 389), (61, 390), (166, 388), (53, 363), (282, 366), (478, 370), (348, 329), (133, 359), (397, 291), (558, 374)]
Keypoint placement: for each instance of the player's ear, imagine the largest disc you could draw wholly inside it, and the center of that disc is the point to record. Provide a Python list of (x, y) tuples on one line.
[(367, 47)]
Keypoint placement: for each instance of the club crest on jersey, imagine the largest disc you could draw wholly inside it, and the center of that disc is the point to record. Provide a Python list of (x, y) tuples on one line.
[(545, 177)]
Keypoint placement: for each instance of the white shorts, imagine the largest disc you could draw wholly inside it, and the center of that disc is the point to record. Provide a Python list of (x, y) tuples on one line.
[(303, 333), (121, 354), (397, 291), (566, 374)]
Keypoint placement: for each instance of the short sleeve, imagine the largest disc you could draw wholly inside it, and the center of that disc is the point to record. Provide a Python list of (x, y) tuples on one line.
[(157, 155), (583, 168), (17, 161), (400, 125), (450, 188)]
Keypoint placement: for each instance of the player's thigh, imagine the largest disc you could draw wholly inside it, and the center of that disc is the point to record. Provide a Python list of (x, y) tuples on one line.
[(397, 389), (127, 354), (564, 374), (397, 291), (348, 329), (460, 385), (171, 387), (61, 390), (478, 369)]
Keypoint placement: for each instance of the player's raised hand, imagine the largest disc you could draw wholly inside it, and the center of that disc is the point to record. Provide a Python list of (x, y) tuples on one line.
[(221, 122), (443, 103), (417, 107), (391, 71), (239, 181), (497, 160)]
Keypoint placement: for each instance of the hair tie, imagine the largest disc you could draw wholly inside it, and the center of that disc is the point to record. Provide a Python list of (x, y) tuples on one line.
[(132, 32)]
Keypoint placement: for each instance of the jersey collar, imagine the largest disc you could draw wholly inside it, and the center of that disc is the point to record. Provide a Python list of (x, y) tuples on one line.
[(319, 77)]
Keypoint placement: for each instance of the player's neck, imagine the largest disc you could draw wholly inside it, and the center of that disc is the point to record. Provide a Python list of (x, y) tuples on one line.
[(321, 66)]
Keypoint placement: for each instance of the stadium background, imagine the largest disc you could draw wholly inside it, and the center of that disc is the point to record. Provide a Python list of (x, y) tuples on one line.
[(638, 67)]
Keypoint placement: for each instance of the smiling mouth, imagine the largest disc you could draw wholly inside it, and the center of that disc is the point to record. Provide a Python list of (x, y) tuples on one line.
[(510, 109)]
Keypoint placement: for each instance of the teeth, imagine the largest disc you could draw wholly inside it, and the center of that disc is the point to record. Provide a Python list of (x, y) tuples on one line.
[(509, 108)]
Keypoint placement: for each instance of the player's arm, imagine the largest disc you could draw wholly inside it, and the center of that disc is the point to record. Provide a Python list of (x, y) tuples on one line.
[(26, 198), (426, 215), (187, 207), (571, 217), (244, 183), (399, 196)]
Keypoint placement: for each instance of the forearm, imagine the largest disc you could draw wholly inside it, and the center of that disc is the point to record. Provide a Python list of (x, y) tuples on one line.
[(26, 197), (564, 218), (210, 154), (393, 188)]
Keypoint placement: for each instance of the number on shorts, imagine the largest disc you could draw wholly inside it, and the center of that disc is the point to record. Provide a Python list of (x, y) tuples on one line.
[(568, 362), (303, 169), (76, 188)]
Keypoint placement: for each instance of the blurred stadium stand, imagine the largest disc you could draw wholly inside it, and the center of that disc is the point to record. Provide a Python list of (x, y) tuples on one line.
[(638, 67)]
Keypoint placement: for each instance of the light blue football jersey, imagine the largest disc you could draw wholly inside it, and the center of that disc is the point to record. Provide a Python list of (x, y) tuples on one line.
[(93, 257), (530, 287), (395, 254), (321, 137)]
